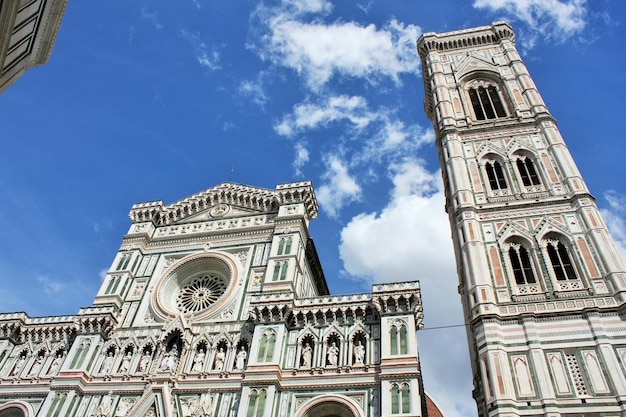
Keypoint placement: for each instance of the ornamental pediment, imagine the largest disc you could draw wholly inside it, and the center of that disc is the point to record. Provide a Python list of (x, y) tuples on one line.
[(226, 199), (219, 211), (475, 62)]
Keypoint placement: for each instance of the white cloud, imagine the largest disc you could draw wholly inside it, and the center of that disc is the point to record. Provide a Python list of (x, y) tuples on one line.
[(318, 51), (383, 247), (614, 216), (253, 89), (303, 7), (301, 158), (104, 224), (410, 239), (554, 19), (207, 56), (393, 136), (339, 189), (152, 17), (50, 286), (375, 136), (309, 116)]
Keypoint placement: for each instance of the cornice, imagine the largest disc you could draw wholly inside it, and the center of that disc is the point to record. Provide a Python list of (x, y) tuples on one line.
[(525, 208), (262, 200), (551, 310), (465, 38), (21, 328), (149, 246)]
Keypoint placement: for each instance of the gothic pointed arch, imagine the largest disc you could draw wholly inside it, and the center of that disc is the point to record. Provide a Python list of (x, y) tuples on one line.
[(513, 229), (486, 94), (549, 226), (564, 268), (520, 258), (330, 405), (16, 409), (308, 331), (487, 148)]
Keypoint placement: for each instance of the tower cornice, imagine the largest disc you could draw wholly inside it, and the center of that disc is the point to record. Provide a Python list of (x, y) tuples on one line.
[(465, 38)]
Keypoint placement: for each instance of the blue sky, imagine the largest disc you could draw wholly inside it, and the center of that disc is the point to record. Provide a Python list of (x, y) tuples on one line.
[(146, 100)]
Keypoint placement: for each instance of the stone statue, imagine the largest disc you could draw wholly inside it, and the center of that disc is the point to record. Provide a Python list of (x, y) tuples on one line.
[(219, 359), (198, 361), (333, 354), (359, 353), (107, 364), (205, 406), (144, 362), (198, 407), (37, 364), (170, 360), (307, 355), (104, 409), (125, 366), (123, 407), (240, 363), (19, 364), (56, 363)]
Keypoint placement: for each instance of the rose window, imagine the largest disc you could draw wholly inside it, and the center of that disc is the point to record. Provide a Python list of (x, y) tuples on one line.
[(196, 286), (200, 293)]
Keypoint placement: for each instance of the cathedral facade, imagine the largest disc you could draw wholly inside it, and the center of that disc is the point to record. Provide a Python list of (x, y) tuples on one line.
[(217, 305), (540, 278)]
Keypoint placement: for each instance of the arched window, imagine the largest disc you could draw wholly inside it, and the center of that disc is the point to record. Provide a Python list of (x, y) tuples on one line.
[(256, 403), (266, 347), (527, 171), (288, 245), (284, 245), (521, 264), (560, 260), (124, 260), (495, 175), (280, 270), (397, 336), (486, 102), (400, 399), (12, 412)]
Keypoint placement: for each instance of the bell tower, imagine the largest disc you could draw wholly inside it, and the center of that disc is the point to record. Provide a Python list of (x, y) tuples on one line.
[(542, 284)]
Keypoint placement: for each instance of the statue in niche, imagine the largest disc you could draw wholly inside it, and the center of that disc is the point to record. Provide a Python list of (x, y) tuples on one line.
[(242, 355), (170, 360), (37, 365), (220, 356), (144, 362), (56, 363), (359, 353), (104, 409), (19, 364), (307, 355), (333, 354), (204, 407), (125, 365), (198, 407), (198, 361), (123, 407), (107, 364), (188, 405)]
